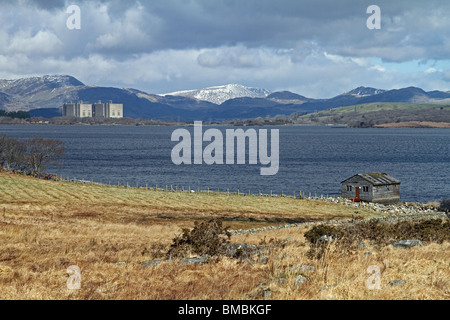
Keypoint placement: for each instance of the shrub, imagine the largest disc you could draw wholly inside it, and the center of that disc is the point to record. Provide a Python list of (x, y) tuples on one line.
[(206, 238), (445, 205), (316, 232)]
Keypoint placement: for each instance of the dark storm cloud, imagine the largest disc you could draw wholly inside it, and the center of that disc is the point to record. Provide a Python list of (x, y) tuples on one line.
[(135, 27), (167, 45)]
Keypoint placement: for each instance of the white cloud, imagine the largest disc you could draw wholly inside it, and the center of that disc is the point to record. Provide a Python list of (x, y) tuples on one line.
[(43, 42), (164, 46), (378, 68)]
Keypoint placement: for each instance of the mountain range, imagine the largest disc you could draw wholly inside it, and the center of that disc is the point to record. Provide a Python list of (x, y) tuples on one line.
[(44, 96)]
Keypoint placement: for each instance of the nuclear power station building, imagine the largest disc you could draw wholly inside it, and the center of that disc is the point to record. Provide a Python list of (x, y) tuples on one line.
[(94, 110)]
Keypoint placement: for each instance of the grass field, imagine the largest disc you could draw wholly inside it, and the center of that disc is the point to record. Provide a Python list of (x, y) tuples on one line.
[(382, 113), (68, 200), (107, 231)]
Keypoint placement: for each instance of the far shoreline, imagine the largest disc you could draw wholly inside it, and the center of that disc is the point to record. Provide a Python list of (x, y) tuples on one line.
[(415, 124), (237, 123)]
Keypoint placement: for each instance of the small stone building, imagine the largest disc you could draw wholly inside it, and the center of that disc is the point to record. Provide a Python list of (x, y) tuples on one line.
[(371, 187)]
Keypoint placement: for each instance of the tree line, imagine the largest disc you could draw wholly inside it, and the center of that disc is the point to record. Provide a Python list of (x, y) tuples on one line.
[(30, 156), (15, 114)]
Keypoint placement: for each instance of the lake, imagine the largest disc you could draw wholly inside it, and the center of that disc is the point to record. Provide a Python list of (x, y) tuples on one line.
[(312, 159)]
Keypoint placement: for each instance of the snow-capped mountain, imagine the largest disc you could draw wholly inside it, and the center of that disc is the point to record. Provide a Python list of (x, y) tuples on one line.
[(364, 92), (220, 94), (36, 83), (39, 92)]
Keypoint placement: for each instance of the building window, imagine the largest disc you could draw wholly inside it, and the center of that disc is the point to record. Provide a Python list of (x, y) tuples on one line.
[(349, 188), (113, 114), (365, 189)]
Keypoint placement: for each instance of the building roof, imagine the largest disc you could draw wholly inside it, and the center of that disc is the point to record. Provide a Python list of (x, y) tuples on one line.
[(377, 178)]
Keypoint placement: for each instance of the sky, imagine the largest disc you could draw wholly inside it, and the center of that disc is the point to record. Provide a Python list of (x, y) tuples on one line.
[(318, 49)]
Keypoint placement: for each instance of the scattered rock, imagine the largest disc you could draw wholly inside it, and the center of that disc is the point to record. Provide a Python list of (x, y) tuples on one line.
[(264, 260), (150, 263), (194, 260), (300, 280), (266, 294), (239, 250), (302, 267), (325, 238), (397, 283), (406, 244), (119, 263)]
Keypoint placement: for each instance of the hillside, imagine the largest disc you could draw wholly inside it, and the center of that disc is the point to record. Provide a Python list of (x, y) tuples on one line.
[(220, 94), (378, 114), (45, 96)]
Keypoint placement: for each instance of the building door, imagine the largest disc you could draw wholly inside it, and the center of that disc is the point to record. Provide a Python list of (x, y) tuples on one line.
[(357, 194)]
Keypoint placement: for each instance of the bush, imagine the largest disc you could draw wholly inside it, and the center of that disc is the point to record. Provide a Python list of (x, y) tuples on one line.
[(316, 232), (445, 205), (206, 238)]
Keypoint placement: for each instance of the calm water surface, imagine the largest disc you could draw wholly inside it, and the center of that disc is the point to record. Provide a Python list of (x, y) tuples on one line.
[(312, 159)]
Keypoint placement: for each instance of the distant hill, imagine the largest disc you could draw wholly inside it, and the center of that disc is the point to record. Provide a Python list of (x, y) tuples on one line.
[(220, 94), (45, 96), (378, 113), (364, 92)]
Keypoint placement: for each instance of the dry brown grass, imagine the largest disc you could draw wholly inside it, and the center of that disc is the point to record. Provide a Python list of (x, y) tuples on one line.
[(26, 195), (94, 227)]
